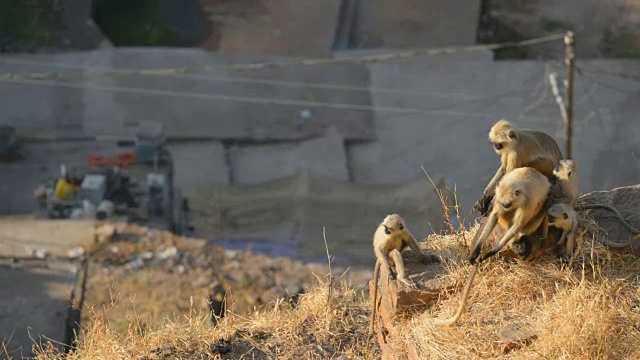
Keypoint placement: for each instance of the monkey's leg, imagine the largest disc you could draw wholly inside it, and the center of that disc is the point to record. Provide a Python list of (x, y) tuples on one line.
[(511, 233), (563, 237), (383, 256), (545, 227), (479, 240), (396, 256), (570, 241)]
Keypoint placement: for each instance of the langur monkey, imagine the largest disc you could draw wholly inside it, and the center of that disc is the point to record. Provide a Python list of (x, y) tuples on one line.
[(390, 238), (564, 217), (518, 148), (519, 206)]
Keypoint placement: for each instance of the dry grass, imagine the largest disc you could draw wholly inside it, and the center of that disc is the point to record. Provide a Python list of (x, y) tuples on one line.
[(588, 309), (310, 330)]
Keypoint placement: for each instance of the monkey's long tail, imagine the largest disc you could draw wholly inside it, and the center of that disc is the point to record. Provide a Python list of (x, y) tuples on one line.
[(376, 276), (615, 211), (463, 302)]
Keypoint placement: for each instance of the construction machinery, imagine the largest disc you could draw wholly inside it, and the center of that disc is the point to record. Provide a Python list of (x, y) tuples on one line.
[(136, 182)]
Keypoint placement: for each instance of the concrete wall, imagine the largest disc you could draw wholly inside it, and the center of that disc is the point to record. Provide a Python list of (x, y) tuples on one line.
[(416, 23), (603, 28), (275, 27), (222, 104), (324, 156), (450, 103), (460, 101), (197, 164)]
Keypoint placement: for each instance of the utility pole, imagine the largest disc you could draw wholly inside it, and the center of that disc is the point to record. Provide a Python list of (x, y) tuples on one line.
[(570, 46)]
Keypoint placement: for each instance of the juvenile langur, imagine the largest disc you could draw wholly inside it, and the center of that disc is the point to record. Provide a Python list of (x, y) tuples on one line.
[(518, 205), (389, 239), (566, 178), (518, 148), (564, 190), (564, 217)]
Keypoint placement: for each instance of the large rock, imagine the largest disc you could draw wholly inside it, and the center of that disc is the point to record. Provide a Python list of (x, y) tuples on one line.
[(627, 200), (395, 300)]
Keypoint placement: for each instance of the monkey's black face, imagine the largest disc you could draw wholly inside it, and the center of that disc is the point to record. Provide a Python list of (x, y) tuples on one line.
[(498, 146)]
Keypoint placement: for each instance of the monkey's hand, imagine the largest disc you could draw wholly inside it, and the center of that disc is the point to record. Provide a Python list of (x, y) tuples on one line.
[(474, 256), (409, 283), (482, 206)]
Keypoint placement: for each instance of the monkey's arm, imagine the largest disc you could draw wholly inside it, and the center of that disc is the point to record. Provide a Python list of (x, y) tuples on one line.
[(513, 232), (483, 204), (491, 188), (481, 236), (563, 237), (545, 227), (413, 244)]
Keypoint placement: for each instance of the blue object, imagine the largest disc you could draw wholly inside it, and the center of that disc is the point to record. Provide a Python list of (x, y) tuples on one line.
[(145, 152)]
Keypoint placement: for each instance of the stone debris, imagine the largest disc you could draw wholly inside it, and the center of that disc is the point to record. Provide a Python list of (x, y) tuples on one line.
[(76, 252), (105, 233), (515, 335)]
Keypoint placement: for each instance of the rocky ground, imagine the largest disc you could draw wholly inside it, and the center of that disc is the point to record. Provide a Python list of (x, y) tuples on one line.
[(150, 275)]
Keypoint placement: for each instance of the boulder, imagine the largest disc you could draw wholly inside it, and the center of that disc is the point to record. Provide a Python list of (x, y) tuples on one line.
[(627, 200)]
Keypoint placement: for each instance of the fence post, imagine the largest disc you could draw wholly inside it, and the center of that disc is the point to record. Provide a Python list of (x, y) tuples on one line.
[(569, 42)]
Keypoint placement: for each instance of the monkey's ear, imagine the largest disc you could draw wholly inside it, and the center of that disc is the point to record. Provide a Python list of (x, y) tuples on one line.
[(565, 216), (511, 134)]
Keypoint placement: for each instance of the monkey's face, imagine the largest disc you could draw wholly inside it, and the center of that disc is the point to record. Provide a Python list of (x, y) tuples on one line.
[(565, 169), (509, 196), (394, 224), (558, 214), (502, 139)]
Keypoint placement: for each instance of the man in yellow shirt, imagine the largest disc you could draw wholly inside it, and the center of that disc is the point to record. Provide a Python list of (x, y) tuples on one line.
[(64, 188)]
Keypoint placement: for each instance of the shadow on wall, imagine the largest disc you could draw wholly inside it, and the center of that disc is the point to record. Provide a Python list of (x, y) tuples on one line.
[(152, 22)]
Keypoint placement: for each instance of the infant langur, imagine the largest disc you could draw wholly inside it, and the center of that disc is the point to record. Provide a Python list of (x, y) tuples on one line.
[(563, 217)]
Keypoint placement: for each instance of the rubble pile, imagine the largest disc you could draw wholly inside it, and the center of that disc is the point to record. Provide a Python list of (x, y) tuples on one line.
[(156, 274)]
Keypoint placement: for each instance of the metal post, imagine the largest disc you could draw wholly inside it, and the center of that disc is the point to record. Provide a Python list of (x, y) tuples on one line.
[(569, 42)]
